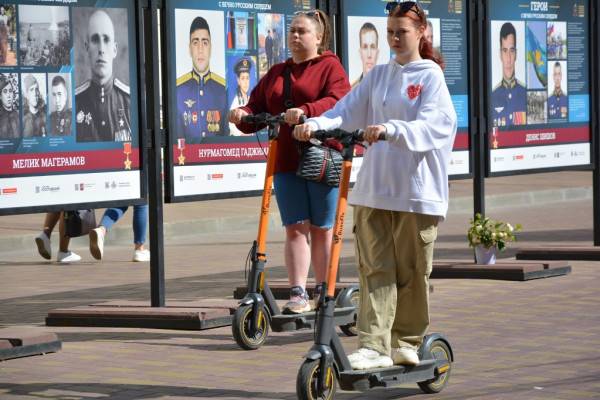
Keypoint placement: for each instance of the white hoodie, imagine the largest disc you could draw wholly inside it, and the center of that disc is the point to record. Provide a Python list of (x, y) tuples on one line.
[(408, 172)]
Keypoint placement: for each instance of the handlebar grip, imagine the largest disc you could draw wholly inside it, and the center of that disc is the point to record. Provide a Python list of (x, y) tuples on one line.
[(249, 119)]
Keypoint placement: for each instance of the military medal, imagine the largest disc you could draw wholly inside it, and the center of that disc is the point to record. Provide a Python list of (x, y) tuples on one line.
[(209, 120), (127, 151), (185, 118), (194, 117), (217, 120), (181, 147)]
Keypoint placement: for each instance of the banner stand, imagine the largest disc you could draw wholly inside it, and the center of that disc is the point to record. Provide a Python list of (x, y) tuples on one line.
[(155, 195)]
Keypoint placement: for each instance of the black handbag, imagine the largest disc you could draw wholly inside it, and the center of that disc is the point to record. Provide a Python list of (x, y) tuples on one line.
[(79, 222), (318, 163)]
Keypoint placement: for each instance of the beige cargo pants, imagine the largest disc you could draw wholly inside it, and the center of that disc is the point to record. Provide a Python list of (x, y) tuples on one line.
[(394, 252)]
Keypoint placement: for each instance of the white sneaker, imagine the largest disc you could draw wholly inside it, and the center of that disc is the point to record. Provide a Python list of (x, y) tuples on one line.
[(141, 255), (405, 356), (43, 244), (369, 359), (97, 243), (67, 257)]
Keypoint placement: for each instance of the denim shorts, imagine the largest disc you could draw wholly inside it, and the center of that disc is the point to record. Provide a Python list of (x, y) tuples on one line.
[(300, 200)]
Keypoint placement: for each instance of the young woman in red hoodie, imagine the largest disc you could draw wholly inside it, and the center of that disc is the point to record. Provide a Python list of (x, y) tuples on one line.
[(307, 209)]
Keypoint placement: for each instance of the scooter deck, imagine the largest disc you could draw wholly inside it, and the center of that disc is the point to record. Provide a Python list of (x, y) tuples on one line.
[(365, 379), (294, 322)]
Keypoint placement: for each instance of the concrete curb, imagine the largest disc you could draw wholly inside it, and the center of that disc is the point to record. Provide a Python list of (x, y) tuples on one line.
[(122, 233)]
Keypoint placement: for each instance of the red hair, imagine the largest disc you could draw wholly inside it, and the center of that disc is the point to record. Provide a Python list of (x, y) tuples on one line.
[(417, 15)]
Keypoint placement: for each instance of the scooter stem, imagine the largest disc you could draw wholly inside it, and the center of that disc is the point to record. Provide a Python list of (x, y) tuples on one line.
[(263, 222)]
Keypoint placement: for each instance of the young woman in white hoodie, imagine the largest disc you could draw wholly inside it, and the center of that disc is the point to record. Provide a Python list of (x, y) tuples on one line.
[(401, 192)]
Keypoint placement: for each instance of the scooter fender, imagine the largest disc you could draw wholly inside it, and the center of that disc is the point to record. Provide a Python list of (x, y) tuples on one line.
[(251, 298), (344, 298), (424, 350)]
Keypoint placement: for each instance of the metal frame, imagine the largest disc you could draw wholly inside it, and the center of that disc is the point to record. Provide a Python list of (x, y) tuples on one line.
[(487, 95), (141, 146)]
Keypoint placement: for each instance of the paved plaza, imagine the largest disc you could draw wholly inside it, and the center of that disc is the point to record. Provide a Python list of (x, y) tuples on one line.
[(537, 339)]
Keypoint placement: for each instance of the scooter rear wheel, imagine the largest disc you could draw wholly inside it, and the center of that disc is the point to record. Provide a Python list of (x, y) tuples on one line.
[(246, 337), (307, 382), (439, 351)]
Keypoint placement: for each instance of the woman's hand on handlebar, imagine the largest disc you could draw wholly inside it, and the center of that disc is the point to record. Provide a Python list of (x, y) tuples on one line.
[(302, 132), (236, 115), (372, 133), (292, 116)]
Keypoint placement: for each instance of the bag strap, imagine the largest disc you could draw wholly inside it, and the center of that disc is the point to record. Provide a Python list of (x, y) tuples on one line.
[(287, 88)]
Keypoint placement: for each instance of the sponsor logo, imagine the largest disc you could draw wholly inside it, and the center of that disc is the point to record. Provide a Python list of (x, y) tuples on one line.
[(51, 189), (242, 175), (37, 189), (538, 156), (214, 177), (498, 159), (577, 153), (12, 190), (518, 157)]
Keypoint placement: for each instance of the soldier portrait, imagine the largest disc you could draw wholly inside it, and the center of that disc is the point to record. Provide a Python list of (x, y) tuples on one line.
[(9, 107), (244, 75), (368, 40), (558, 101), (367, 46), (34, 105), (59, 87), (509, 96), (200, 90), (102, 98)]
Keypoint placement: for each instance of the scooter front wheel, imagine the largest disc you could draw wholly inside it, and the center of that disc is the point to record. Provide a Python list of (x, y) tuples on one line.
[(440, 351), (307, 386), (247, 337)]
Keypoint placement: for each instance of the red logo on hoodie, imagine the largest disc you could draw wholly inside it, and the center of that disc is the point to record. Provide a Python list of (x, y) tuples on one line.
[(414, 91)]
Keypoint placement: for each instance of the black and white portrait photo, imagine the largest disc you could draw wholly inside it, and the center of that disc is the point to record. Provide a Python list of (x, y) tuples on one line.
[(59, 98), (44, 36), (102, 95), (9, 106), (33, 86)]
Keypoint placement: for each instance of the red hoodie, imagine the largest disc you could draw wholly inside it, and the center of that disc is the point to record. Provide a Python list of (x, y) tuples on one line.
[(317, 84)]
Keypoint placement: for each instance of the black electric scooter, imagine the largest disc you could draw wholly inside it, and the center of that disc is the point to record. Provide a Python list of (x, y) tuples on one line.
[(258, 311), (326, 362)]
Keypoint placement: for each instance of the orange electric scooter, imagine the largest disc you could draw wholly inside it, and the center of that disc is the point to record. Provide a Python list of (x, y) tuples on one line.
[(258, 311), (326, 362)]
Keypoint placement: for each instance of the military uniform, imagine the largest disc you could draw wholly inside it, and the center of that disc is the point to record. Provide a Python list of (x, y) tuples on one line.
[(102, 112), (558, 105), (9, 124), (60, 123), (509, 103), (34, 124), (201, 106)]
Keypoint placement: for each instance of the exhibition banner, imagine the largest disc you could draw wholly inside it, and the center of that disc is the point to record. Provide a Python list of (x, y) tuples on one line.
[(364, 33), (217, 51), (69, 108), (538, 88)]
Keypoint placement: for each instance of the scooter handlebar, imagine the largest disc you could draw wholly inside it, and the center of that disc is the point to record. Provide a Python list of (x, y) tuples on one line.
[(266, 118), (356, 136)]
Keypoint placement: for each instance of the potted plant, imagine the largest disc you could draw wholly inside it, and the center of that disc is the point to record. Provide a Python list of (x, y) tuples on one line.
[(488, 237)]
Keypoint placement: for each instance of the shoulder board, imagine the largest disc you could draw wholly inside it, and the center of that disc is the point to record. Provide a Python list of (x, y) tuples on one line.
[(217, 78), (122, 86), (184, 78), (83, 87), (519, 83)]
